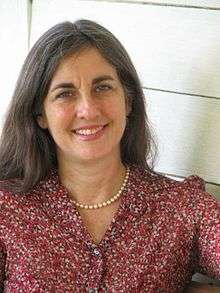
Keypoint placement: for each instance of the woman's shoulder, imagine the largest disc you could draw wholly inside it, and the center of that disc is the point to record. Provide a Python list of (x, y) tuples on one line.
[(5, 190), (10, 200), (190, 189), (12, 184), (160, 181), (186, 198), (13, 198)]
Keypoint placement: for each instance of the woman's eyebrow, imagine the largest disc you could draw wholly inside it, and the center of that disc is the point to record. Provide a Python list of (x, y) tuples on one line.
[(63, 85), (71, 85), (102, 78)]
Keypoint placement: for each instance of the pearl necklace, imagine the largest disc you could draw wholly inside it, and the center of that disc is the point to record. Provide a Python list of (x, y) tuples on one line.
[(109, 201)]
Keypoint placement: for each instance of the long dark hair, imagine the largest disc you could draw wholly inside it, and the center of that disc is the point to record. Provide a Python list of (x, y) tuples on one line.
[(27, 152)]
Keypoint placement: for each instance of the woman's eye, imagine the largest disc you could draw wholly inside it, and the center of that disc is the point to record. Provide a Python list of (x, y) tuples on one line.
[(64, 94), (103, 87)]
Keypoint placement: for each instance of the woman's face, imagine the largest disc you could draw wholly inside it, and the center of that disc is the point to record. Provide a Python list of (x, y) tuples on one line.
[(85, 108)]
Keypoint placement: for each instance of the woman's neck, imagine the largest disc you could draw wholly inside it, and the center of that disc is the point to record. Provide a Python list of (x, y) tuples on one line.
[(92, 183)]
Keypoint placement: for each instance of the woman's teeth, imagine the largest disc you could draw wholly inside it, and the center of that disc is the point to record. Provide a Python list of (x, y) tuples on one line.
[(88, 131)]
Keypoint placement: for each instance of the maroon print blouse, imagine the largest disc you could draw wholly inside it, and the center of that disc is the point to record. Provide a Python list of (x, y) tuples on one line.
[(162, 233)]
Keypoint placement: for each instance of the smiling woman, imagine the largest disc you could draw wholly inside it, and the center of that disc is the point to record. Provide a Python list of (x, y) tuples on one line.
[(86, 119), (33, 151), (81, 209)]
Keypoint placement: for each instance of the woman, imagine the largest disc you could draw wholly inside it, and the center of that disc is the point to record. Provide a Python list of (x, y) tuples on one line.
[(81, 208)]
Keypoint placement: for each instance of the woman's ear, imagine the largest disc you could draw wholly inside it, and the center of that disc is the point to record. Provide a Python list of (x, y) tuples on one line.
[(41, 120)]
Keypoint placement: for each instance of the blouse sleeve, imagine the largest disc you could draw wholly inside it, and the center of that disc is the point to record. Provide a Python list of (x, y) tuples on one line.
[(207, 211)]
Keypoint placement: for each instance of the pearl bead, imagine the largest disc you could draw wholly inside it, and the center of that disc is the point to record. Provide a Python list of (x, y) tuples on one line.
[(109, 201)]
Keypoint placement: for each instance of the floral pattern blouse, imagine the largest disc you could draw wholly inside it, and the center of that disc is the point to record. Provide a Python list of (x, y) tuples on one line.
[(162, 233)]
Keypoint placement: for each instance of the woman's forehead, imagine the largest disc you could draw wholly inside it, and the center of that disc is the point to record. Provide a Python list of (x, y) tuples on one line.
[(87, 64), (88, 60)]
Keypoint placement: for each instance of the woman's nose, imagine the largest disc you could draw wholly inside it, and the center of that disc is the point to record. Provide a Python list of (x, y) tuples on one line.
[(87, 107)]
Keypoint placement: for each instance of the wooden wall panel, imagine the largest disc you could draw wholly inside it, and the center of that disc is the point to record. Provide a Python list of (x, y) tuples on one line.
[(14, 46), (206, 4), (187, 130), (173, 48), (214, 190)]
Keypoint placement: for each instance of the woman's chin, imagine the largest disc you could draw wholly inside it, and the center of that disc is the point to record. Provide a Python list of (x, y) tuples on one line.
[(93, 154), (90, 156)]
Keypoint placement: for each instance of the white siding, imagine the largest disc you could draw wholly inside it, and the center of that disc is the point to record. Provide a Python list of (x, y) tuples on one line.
[(187, 130), (169, 54), (207, 4)]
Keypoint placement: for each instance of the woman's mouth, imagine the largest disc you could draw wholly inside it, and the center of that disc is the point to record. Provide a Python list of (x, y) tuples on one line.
[(90, 132)]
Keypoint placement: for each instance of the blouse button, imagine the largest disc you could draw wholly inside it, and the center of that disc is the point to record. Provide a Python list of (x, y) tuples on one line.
[(96, 251), (91, 290)]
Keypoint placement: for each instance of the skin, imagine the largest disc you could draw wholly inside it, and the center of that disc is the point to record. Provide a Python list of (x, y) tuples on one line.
[(89, 167)]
